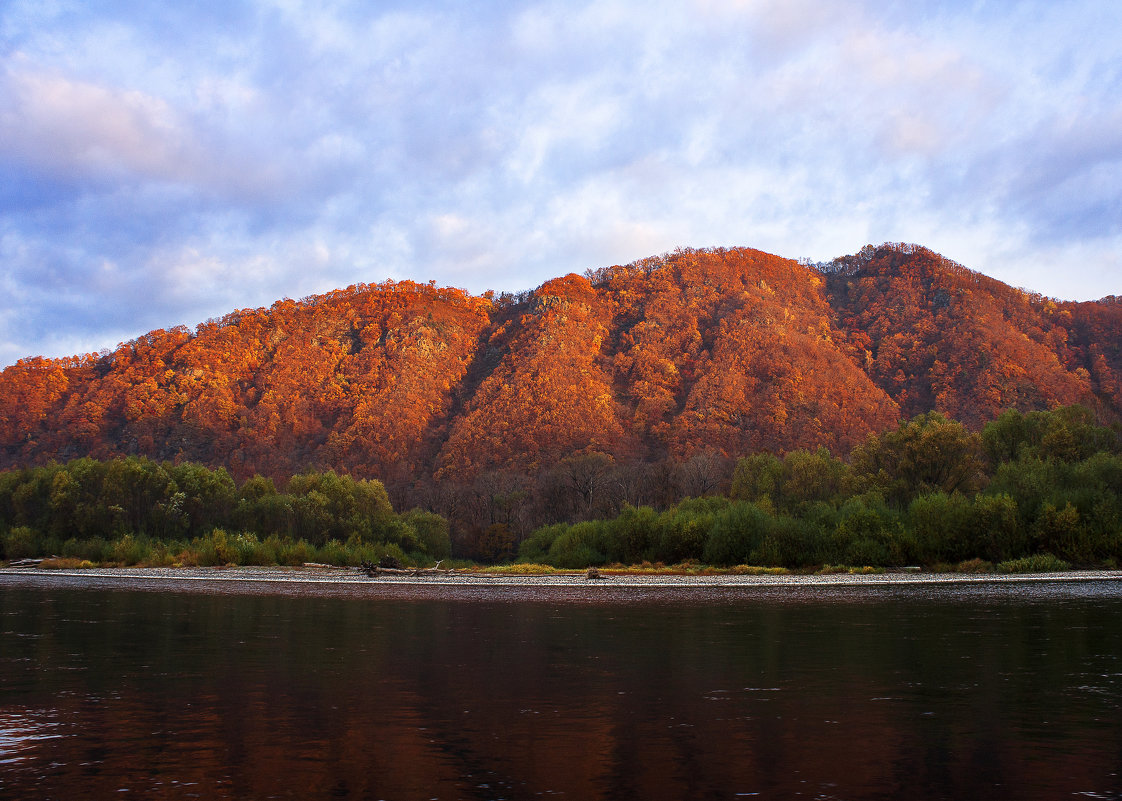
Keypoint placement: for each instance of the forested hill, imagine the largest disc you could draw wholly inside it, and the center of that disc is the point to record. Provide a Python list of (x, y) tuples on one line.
[(731, 351)]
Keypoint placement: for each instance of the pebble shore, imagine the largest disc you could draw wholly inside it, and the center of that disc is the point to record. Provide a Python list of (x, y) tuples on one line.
[(353, 580)]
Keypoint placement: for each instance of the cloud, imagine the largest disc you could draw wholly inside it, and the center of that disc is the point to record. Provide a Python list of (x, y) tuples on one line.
[(161, 164), (83, 133), (62, 125)]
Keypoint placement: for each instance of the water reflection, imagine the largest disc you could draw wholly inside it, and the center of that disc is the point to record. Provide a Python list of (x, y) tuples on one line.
[(192, 695)]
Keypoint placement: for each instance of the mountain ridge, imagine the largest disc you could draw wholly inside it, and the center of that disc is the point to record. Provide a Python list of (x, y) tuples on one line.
[(727, 350)]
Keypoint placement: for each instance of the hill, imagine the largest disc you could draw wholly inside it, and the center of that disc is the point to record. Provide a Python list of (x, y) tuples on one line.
[(720, 351)]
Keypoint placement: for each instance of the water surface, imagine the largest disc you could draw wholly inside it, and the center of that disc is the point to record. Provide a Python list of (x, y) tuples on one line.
[(938, 692)]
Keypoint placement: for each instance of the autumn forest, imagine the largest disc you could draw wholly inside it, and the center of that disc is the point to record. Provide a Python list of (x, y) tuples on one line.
[(506, 412)]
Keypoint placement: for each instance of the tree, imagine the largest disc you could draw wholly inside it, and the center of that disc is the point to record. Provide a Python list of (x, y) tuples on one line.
[(929, 453)]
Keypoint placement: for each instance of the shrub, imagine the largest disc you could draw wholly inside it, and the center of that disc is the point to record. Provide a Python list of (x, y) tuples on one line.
[(431, 531), (22, 542), (299, 552), (998, 523), (332, 552), (862, 570), (92, 550), (130, 550), (1061, 531), (633, 534), (60, 563), (735, 533), (800, 542), (867, 551), (581, 546), (522, 569), (767, 553), (871, 534), (682, 535), (941, 525), (535, 548), (974, 566), (1038, 563)]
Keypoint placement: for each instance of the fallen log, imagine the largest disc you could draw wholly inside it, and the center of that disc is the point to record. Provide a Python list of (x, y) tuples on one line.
[(374, 570)]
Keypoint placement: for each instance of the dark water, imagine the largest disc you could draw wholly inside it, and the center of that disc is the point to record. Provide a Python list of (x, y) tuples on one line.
[(1010, 693)]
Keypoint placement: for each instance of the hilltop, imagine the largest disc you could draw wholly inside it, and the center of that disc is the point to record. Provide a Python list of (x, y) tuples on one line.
[(720, 351)]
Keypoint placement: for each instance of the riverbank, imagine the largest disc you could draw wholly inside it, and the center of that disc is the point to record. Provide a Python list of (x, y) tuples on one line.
[(324, 580)]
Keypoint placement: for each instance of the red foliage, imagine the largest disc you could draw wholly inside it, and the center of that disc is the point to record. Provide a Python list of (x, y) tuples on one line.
[(938, 336), (726, 351)]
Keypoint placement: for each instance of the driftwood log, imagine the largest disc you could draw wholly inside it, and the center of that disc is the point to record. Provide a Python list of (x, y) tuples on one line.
[(390, 566)]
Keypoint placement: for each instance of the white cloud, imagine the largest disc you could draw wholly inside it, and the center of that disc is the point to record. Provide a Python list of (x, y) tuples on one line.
[(77, 131), (65, 125), (227, 155)]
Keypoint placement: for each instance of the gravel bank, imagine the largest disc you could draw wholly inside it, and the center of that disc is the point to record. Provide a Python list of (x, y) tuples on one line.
[(351, 575), (351, 581)]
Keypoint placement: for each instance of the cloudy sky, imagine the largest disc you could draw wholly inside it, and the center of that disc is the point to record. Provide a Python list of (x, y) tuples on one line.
[(162, 163)]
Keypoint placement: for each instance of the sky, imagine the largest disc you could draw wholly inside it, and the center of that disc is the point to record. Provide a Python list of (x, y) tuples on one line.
[(164, 163)]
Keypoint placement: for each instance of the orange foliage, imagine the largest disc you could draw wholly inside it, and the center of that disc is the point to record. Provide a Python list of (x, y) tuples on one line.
[(735, 350), (725, 350), (939, 336), (550, 396)]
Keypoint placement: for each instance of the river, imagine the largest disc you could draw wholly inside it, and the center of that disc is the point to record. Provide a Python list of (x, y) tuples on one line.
[(958, 692)]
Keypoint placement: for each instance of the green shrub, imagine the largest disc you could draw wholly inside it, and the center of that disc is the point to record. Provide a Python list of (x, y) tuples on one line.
[(431, 531), (682, 534), (577, 556), (1039, 563), (862, 570), (332, 552), (1061, 531), (867, 551), (632, 535), (295, 553), (766, 553), (22, 542), (997, 523), (92, 550), (734, 533), (800, 542), (942, 527), (582, 545), (535, 548), (871, 534), (130, 550)]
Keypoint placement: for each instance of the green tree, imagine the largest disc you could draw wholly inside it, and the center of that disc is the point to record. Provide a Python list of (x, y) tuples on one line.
[(943, 527), (735, 533), (872, 534), (812, 477), (1000, 533), (1067, 434), (432, 532), (758, 477), (929, 453)]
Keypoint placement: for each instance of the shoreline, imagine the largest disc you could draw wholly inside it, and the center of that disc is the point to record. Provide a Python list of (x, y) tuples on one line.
[(354, 581)]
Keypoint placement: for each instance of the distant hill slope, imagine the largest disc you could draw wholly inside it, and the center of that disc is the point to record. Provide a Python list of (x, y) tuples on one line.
[(936, 335), (728, 350)]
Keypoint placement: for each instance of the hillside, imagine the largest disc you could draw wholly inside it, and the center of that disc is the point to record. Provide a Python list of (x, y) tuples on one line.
[(935, 335), (719, 351)]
